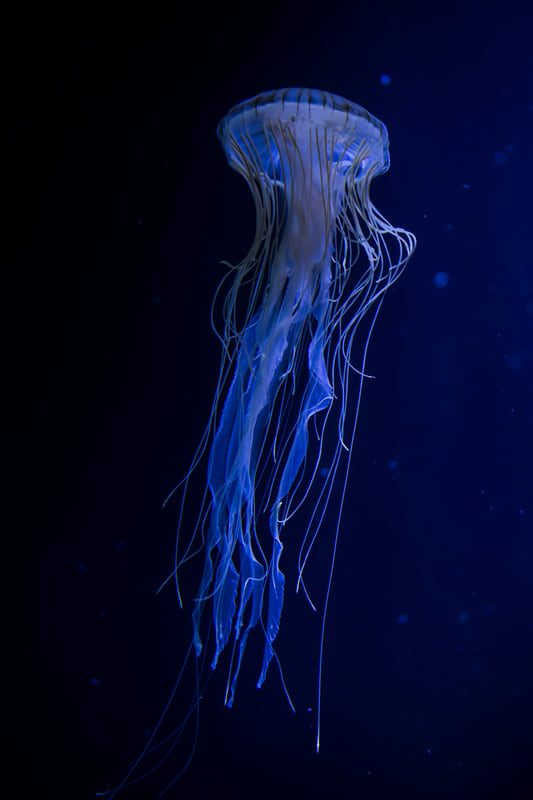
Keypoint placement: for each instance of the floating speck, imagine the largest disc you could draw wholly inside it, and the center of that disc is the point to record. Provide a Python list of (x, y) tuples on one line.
[(441, 280)]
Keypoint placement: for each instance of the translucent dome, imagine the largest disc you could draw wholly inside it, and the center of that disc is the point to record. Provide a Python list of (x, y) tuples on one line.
[(265, 128)]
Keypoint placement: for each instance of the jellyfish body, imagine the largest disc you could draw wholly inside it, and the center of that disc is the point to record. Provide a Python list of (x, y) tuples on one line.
[(322, 258), (297, 320)]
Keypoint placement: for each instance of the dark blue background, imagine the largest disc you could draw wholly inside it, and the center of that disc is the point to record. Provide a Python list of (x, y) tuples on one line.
[(120, 207)]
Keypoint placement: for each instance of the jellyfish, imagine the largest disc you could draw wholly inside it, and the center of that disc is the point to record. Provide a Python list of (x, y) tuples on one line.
[(321, 262), (297, 314)]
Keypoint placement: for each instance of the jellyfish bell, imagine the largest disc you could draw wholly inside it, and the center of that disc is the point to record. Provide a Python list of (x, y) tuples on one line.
[(297, 313), (310, 143)]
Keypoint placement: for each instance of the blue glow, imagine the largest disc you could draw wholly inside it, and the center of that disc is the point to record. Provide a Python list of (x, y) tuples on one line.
[(500, 158), (441, 280)]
